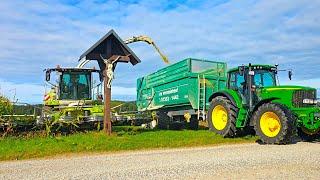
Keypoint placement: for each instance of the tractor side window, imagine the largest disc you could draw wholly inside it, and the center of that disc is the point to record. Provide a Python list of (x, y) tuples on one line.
[(237, 81), (240, 81), (232, 81), (258, 80)]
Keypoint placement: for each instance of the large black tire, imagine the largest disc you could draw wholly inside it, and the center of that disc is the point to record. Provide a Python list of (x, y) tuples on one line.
[(163, 120), (277, 134), (307, 135), (230, 129)]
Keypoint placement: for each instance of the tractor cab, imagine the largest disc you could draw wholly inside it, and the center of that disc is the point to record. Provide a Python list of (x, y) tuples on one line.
[(261, 76), (71, 85), (249, 80)]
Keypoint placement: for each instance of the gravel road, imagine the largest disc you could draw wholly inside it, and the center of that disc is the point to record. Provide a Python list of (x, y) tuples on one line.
[(245, 161)]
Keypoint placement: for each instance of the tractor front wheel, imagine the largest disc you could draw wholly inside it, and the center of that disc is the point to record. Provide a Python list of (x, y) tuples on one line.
[(274, 124), (308, 135), (222, 117)]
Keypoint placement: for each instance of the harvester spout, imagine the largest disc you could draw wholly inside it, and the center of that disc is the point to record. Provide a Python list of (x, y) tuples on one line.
[(148, 40)]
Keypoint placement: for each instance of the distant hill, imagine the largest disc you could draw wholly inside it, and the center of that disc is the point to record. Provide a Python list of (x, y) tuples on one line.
[(127, 105), (27, 109)]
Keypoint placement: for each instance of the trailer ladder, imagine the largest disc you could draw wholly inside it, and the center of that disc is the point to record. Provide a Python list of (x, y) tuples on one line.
[(201, 97)]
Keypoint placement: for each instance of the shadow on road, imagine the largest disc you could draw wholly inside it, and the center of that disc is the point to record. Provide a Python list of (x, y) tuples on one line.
[(294, 141)]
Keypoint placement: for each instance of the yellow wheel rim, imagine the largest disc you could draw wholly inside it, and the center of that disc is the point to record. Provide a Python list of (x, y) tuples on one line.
[(270, 124), (219, 117)]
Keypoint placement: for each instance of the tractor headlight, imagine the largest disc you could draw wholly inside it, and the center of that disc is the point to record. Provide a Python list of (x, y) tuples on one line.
[(310, 101)]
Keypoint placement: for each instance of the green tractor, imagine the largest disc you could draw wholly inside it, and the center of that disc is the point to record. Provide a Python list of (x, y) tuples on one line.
[(253, 98), (72, 96)]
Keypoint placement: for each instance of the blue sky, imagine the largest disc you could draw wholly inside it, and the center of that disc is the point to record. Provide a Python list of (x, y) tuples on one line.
[(35, 35)]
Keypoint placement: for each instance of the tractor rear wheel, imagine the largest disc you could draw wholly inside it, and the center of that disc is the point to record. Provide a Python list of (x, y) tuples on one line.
[(274, 124), (222, 117)]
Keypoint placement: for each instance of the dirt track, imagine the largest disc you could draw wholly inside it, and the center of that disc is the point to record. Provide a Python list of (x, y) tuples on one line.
[(297, 161)]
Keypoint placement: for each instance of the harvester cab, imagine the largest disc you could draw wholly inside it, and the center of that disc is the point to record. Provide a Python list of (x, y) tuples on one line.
[(73, 92), (254, 98), (71, 84)]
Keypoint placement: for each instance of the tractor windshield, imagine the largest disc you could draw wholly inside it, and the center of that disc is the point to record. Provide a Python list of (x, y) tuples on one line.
[(264, 78), (75, 86)]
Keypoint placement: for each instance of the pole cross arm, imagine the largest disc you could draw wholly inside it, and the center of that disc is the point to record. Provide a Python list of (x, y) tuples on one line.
[(116, 58)]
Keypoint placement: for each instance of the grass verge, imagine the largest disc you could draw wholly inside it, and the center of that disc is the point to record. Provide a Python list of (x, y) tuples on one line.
[(124, 138)]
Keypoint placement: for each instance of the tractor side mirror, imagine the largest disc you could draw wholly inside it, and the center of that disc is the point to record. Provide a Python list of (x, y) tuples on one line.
[(47, 75), (290, 74), (241, 70)]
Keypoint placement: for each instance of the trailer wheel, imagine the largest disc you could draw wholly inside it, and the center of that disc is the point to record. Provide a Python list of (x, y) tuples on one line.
[(222, 117), (194, 123), (274, 124), (307, 135), (163, 120)]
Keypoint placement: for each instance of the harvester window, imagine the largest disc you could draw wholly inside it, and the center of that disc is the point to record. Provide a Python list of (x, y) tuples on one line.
[(75, 86)]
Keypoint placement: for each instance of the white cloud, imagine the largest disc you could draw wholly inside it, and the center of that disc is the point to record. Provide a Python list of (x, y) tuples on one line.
[(315, 83), (24, 92), (46, 33)]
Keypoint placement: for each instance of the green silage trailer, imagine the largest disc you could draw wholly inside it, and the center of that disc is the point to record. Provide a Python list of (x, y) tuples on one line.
[(179, 93)]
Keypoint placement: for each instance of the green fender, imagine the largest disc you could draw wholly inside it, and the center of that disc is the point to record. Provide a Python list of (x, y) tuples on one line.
[(236, 100)]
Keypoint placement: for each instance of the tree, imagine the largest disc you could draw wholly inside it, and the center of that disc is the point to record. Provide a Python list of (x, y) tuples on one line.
[(6, 106)]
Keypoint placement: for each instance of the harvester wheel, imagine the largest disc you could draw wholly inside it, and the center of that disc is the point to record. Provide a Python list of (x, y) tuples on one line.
[(163, 120), (222, 117), (274, 124), (307, 135)]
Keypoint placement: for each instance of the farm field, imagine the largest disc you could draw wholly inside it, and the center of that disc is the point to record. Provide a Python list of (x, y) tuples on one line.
[(123, 139)]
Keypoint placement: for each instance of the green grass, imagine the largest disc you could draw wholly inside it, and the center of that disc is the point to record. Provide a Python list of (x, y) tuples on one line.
[(123, 139)]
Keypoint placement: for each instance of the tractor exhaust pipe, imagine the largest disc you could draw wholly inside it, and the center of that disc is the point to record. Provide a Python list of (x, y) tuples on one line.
[(250, 75)]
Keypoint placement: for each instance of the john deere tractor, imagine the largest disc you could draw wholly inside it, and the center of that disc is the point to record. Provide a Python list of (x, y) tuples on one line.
[(253, 98)]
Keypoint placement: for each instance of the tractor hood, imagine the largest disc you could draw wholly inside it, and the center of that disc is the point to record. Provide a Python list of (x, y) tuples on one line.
[(286, 88), (288, 95)]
